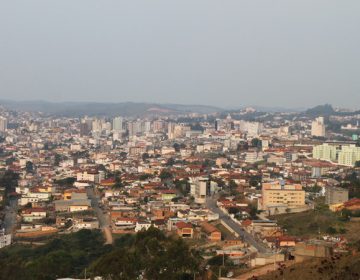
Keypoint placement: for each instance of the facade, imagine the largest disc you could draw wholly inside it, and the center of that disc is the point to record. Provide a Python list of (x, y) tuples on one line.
[(325, 152), (349, 155), (318, 127), (5, 239), (278, 195), (3, 124), (336, 195), (199, 189), (117, 124)]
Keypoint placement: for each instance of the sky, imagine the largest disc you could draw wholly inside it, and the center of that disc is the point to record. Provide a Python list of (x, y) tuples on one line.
[(227, 53)]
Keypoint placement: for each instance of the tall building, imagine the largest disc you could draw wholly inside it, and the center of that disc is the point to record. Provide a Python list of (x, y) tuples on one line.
[(325, 152), (318, 127), (3, 124), (349, 155), (278, 197), (117, 124), (199, 189), (336, 195)]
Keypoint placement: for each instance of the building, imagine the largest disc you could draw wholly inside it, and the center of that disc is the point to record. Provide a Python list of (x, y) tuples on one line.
[(5, 239), (335, 195), (185, 230), (199, 189), (325, 152), (349, 155), (3, 124), (318, 127), (278, 197), (117, 124), (213, 234)]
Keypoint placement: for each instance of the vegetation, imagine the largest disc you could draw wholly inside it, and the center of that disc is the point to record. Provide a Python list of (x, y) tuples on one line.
[(312, 223), (344, 267), (149, 253), (65, 256)]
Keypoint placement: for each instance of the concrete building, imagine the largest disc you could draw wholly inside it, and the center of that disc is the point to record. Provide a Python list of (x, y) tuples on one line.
[(199, 189), (349, 155), (325, 152), (278, 197), (5, 239), (117, 124), (318, 127), (3, 124), (336, 195)]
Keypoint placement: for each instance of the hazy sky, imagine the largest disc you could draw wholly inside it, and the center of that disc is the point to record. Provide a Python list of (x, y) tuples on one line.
[(293, 53)]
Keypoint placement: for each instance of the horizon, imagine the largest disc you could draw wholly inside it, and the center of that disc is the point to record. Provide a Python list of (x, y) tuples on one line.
[(253, 54)]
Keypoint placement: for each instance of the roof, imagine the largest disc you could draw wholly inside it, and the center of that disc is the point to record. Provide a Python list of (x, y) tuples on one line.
[(181, 225)]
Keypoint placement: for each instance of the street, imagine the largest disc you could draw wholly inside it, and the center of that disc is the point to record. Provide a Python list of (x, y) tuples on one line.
[(247, 237), (104, 220)]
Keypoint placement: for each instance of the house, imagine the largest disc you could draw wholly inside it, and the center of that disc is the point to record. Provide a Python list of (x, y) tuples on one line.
[(213, 234), (32, 214), (144, 225), (185, 230)]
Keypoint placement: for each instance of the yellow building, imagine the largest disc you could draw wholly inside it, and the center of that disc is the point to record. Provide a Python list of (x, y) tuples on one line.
[(278, 197)]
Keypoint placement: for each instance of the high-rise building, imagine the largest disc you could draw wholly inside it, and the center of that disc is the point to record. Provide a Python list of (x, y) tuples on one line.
[(318, 127), (117, 124), (349, 155), (3, 124), (325, 152)]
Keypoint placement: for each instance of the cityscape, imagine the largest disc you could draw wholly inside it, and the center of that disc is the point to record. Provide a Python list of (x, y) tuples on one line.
[(179, 140), (250, 194)]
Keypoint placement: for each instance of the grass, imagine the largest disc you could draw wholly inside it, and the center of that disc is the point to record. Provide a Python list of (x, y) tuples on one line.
[(310, 223), (344, 267)]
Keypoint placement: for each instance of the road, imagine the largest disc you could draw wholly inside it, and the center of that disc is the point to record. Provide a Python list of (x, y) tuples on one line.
[(104, 219), (10, 220), (247, 237)]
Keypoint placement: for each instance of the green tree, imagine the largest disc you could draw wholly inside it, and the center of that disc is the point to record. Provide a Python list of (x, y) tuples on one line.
[(29, 167), (165, 175), (256, 142)]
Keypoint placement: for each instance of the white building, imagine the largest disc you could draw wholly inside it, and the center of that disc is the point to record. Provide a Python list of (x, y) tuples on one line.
[(199, 189), (5, 239), (3, 124), (117, 124), (318, 127)]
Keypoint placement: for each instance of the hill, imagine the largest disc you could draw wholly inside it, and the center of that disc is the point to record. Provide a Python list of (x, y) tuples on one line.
[(126, 109)]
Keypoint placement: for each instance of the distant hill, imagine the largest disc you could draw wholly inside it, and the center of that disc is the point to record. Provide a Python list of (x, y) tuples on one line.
[(321, 110), (129, 109)]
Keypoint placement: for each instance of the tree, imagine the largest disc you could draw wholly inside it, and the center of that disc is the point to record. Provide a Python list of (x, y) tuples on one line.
[(331, 230), (357, 164), (170, 162), (57, 159), (232, 187), (29, 167), (256, 142), (176, 146), (145, 156), (165, 175), (118, 182)]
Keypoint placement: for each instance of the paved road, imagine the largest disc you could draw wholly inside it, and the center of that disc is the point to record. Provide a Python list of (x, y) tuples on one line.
[(10, 220), (247, 237), (104, 219)]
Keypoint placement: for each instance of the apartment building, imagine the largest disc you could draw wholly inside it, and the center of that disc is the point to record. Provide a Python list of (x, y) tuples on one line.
[(279, 197)]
